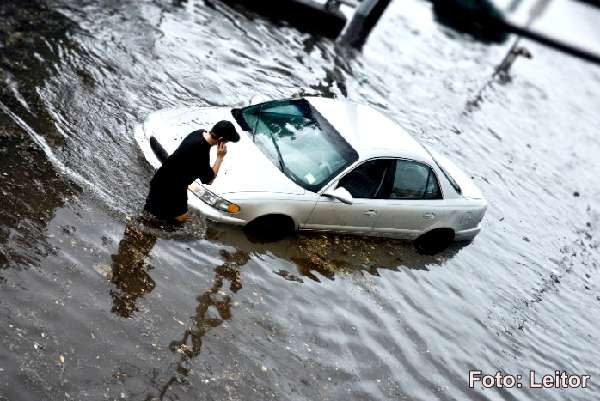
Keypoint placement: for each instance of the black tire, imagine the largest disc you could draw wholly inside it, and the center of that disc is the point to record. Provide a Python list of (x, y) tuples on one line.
[(270, 228), (434, 241)]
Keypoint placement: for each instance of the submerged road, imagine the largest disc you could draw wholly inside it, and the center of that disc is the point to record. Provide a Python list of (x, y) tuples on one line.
[(94, 306)]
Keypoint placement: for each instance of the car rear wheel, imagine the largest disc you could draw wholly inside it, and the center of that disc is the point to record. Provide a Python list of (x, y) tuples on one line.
[(434, 241), (271, 227)]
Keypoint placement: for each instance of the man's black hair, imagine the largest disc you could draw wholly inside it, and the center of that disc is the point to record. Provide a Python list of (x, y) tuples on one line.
[(225, 130)]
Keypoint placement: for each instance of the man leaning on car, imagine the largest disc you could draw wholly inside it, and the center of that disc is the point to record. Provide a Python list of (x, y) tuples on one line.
[(167, 199)]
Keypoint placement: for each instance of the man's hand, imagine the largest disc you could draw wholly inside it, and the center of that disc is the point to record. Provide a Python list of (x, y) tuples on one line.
[(194, 187), (221, 150)]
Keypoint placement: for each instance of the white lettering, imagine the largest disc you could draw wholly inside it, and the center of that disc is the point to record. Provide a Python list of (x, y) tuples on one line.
[(532, 382), (474, 375)]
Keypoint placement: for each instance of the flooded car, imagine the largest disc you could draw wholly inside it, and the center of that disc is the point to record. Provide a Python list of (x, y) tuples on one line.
[(326, 165)]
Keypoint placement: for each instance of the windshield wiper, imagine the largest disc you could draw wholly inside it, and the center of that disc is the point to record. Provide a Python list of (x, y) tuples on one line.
[(281, 163)]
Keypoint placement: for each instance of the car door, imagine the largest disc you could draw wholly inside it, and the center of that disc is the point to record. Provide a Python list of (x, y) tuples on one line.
[(410, 202), (364, 182)]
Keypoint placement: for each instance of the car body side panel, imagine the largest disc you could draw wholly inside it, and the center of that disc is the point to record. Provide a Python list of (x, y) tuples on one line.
[(332, 215), (408, 218)]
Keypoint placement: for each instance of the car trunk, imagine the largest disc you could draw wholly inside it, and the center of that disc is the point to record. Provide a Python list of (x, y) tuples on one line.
[(468, 189)]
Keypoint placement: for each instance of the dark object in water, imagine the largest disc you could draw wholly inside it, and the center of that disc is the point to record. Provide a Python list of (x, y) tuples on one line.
[(434, 241), (305, 15), (364, 20), (479, 18), (482, 20), (503, 69), (270, 228)]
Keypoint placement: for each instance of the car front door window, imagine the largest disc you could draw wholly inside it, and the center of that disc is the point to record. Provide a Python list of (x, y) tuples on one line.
[(366, 180)]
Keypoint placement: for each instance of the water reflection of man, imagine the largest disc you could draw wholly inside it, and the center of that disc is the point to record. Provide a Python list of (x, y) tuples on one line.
[(190, 345), (204, 321), (130, 270)]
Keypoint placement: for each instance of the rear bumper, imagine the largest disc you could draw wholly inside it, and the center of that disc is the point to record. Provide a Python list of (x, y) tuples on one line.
[(213, 214), (467, 235)]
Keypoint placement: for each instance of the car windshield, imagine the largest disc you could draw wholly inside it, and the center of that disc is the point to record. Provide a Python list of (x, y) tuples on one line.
[(298, 140)]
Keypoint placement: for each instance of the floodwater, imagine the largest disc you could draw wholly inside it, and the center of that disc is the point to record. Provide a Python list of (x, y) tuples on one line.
[(96, 306)]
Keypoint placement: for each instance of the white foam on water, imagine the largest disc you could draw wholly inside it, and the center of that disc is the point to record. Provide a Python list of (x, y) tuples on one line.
[(41, 142)]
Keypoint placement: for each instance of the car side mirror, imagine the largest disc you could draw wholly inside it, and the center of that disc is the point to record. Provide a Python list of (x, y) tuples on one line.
[(339, 193)]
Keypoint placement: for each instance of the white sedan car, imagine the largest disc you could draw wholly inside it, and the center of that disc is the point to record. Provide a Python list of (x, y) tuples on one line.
[(326, 165)]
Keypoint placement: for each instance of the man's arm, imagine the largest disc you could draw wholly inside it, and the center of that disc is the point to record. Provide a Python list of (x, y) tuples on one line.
[(221, 152)]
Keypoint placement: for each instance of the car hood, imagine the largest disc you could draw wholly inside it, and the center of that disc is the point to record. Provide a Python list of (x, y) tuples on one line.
[(244, 169)]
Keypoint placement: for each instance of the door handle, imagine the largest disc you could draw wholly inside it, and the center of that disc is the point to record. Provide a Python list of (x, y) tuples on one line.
[(370, 212), (428, 215)]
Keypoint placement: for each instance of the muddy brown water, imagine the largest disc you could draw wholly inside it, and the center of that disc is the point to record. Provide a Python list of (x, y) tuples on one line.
[(96, 306)]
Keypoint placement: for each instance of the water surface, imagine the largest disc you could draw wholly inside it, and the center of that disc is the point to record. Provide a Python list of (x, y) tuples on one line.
[(96, 306)]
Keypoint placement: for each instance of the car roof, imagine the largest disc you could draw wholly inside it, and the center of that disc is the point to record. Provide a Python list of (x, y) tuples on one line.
[(370, 132)]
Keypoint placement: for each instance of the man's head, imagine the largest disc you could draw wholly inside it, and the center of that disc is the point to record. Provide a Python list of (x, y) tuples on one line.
[(224, 131)]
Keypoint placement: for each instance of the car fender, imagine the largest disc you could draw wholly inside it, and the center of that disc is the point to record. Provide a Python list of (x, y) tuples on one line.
[(457, 216), (298, 208)]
